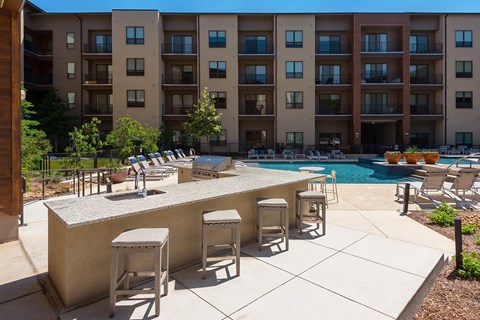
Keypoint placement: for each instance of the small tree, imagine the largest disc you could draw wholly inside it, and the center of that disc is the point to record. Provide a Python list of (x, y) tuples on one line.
[(82, 140), (130, 133), (203, 118)]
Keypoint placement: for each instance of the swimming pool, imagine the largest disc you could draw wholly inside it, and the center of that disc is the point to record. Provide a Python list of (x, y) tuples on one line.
[(346, 172)]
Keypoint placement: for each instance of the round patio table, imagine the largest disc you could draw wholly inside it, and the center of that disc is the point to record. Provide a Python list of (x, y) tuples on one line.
[(311, 169)]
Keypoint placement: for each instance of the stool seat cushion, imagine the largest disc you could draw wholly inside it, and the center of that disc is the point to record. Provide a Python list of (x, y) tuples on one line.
[(222, 216), (311, 194), (273, 202), (141, 237)]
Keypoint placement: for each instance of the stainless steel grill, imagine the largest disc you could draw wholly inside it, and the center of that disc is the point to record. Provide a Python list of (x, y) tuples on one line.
[(208, 167)]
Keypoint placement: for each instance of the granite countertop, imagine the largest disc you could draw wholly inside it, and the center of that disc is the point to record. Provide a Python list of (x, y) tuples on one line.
[(76, 212)]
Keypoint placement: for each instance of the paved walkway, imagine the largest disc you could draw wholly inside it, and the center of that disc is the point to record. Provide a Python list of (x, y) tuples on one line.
[(372, 264)]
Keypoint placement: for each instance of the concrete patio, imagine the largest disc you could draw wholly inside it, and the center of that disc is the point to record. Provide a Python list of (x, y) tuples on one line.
[(374, 263)]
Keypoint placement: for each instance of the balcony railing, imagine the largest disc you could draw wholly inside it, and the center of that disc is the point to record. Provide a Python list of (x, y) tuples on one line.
[(38, 51), (255, 49), (179, 79), (426, 110), (175, 110), (427, 79), (426, 48), (379, 109), (97, 48), (247, 110), (333, 110), (179, 48), (98, 109), (255, 79), (381, 78), (98, 78), (332, 48), (39, 79), (333, 79), (381, 46)]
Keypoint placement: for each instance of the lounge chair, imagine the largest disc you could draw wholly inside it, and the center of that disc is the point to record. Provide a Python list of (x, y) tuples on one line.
[(463, 182), (152, 169), (433, 182), (337, 154), (138, 170), (311, 155), (321, 156), (158, 162), (172, 157), (287, 154), (443, 149)]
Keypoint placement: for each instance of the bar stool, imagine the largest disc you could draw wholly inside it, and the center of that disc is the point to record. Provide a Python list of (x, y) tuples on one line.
[(319, 184), (276, 205), (151, 240), (333, 181), (317, 198), (221, 219)]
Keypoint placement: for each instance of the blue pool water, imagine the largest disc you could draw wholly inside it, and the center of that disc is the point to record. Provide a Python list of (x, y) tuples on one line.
[(346, 172)]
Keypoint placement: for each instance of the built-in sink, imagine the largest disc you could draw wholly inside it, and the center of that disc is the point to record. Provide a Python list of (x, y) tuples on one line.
[(132, 195)]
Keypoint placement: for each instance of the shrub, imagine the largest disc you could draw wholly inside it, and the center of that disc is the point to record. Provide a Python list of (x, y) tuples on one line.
[(471, 265), (411, 150), (443, 215), (429, 152), (393, 152), (477, 240), (469, 229)]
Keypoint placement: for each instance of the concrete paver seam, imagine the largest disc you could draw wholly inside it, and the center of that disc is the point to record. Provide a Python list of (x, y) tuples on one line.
[(29, 258)]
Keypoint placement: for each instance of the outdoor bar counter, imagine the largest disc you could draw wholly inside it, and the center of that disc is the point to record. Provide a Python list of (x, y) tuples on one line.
[(80, 230)]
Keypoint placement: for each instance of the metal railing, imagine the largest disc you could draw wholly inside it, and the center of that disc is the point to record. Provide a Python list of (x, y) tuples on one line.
[(426, 48), (179, 79), (96, 109), (381, 46), (426, 110), (379, 109), (332, 48), (255, 79), (179, 48), (333, 79), (381, 78), (97, 48), (175, 110), (98, 78), (333, 110), (255, 49), (427, 79), (256, 110)]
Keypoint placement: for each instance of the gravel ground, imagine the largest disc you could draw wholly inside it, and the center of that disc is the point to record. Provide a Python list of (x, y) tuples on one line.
[(452, 297)]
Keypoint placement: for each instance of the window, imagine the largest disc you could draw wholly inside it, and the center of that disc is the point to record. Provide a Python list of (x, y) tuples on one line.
[(220, 99), (419, 104), (181, 103), (181, 138), (377, 103), (255, 45), (463, 99), (256, 139), (103, 43), (103, 104), (330, 104), (463, 38), (294, 69), (70, 40), (463, 69), (135, 98), (182, 44), (419, 44), (218, 69), (294, 140), (219, 139), (464, 139), (104, 73), (217, 39), (294, 100), (70, 70), (376, 72), (419, 74), (71, 100), (135, 35), (255, 74), (294, 39), (329, 74), (181, 74), (329, 44), (135, 67), (256, 104), (375, 42)]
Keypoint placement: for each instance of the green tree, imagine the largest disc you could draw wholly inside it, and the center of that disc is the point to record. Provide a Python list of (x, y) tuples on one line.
[(129, 134), (203, 118), (52, 116), (83, 140)]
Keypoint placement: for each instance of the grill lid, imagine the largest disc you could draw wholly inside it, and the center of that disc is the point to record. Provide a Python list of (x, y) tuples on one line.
[(212, 163)]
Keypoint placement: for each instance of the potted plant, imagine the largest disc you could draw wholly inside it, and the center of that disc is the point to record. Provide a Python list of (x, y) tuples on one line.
[(117, 173), (411, 155), (430, 157), (393, 157)]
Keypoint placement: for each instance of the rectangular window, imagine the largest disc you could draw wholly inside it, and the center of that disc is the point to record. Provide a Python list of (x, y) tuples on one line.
[(294, 100), (70, 40), (330, 104), (135, 98), (376, 72), (71, 100), (464, 139), (217, 39), (70, 70), (256, 139), (375, 42), (419, 104), (220, 99), (181, 44), (329, 74), (255, 45), (103, 43), (294, 69), (218, 69), (255, 74), (463, 38), (419, 44), (294, 140), (181, 74), (103, 104), (256, 104), (463, 99), (181, 103), (294, 39), (135, 35), (329, 44), (135, 67), (219, 139), (104, 73), (419, 74), (463, 69), (377, 103)]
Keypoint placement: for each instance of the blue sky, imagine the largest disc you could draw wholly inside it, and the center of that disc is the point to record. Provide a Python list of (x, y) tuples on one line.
[(262, 5)]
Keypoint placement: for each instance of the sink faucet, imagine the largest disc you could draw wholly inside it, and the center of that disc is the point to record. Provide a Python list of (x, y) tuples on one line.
[(143, 191)]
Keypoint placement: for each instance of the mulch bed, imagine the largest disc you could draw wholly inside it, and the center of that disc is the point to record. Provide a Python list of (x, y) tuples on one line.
[(452, 297)]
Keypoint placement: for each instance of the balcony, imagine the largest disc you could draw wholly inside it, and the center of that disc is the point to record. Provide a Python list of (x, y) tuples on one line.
[(332, 48), (37, 53), (105, 110), (179, 49), (426, 48), (376, 78), (38, 82), (175, 110), (381, 47), (255, 79), (177, 79), (98, 78), (266, 49), (333, 80), (98, 51), (378, 109), (429, 110), (256, 110), (329, 110), (427, 79)]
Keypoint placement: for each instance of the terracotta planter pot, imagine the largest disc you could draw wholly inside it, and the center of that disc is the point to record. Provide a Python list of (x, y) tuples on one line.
[(393, 158), (431, 158), (118, 176), (412, 158)]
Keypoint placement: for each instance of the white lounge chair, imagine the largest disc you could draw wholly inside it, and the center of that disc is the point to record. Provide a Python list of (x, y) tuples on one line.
[(463, 182), (158, 162), (321, 156), (287, 154), (337, 154), (433, 182), (151, 169)]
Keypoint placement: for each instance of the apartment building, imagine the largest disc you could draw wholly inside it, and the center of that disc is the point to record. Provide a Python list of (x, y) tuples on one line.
[(280, 80)]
